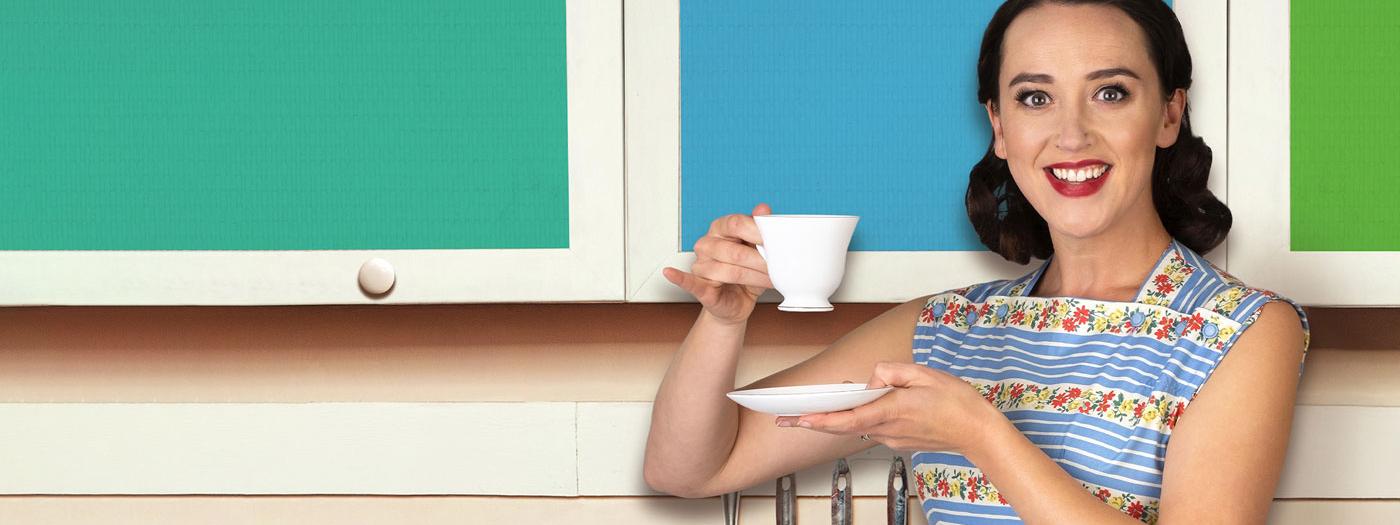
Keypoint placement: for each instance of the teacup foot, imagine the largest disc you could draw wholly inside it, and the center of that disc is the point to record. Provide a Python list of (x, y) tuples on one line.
[(805, 308)]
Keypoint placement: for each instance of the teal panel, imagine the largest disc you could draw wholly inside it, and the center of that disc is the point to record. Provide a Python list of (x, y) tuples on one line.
[(283, 125)]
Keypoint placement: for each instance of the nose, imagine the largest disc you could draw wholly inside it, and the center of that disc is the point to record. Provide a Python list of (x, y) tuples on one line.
[(1074, 133)]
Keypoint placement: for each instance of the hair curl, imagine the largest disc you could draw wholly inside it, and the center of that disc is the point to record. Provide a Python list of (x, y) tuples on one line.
[(1007, 223)]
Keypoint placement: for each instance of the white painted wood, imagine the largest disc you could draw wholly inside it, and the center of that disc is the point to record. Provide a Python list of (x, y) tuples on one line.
[(590, 269), (653, 100), (1205, 23), (444, 510), (1260, 163), (653, 167), (347, 510), (523, 449), (1374, 512), (1342, 452), (612, 439), (315, 448)]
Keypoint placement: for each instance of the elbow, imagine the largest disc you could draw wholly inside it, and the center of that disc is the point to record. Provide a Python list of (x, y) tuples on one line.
[(659, 478)]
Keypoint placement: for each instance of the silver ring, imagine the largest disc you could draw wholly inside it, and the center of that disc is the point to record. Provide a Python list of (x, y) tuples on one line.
[(865, 437)]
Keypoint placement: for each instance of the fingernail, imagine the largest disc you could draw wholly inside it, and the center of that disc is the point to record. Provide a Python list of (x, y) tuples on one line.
[(804, 424), (784, 423)]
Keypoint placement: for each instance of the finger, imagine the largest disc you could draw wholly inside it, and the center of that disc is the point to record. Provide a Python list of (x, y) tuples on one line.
[(696, 286), (901, 375), (730, 251), (728, 273), (856, 421), (762, 209), (830, 422), (737, 227)]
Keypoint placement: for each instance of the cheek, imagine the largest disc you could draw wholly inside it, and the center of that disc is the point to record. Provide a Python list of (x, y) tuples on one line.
[(1024, 138), (1025, 141), (1135, 145), (1131, 135)]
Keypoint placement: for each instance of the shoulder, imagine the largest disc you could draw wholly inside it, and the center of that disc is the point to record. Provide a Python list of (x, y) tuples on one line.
[(1277, 324), (1209, 288), (1274, 338), (1269, 332), (1255, 309)]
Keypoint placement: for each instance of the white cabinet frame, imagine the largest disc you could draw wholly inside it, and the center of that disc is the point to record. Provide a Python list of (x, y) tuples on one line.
[(1260, 90), (652, 36), (591, 269)]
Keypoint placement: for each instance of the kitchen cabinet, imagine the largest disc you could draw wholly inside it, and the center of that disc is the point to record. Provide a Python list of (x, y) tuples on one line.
[(157, 153), (826, 108), (1312, 185)]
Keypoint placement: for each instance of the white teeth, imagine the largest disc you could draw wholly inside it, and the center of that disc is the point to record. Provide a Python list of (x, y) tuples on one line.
[(1080, 175)]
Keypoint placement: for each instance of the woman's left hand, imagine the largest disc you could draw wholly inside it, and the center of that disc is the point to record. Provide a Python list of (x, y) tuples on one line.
[(928, 410)]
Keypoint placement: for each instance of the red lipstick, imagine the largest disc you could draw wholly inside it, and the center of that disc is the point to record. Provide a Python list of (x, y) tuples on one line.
[(1077, 189)]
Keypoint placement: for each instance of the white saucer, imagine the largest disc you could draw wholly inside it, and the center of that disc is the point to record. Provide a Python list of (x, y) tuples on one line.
[(807, 399)]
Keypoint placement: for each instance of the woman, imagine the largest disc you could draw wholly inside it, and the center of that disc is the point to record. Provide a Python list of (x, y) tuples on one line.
[(1061, 396)]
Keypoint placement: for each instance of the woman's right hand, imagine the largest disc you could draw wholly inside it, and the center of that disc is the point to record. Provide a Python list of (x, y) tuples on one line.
[(728, 274)]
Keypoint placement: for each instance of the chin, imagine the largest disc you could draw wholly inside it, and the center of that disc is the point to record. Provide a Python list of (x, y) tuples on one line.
[(1078, 228)]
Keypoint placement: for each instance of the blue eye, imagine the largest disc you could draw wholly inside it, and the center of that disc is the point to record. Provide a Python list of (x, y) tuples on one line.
[(1033, 99)]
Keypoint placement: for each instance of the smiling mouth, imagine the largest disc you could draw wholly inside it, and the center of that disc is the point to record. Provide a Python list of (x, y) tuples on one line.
[(1080, 174), (1078, 179)]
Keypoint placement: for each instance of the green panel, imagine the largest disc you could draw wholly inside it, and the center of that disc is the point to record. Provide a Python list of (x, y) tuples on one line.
[(1346, 125), (282, 124)]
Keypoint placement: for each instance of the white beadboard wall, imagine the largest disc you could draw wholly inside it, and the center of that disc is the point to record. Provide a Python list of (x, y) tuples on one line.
[(507, 449)]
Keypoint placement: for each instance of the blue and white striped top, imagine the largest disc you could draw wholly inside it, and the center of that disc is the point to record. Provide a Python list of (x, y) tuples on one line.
[(1097, 385)]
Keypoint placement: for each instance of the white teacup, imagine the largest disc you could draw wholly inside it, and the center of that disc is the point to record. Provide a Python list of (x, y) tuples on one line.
[(806, 257)]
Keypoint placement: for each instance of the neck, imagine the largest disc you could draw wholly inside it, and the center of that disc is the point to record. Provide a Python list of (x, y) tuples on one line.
[(1110, 266)]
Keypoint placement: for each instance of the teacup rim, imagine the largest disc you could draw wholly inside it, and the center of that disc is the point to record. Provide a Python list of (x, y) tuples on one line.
[(806, 216)]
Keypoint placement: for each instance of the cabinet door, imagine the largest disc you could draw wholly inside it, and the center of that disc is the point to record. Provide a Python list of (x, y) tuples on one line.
[(831, 107), (1313, 173), (158, 152)]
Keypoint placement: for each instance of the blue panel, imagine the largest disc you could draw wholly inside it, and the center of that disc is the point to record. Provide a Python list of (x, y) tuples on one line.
[(831, 106)]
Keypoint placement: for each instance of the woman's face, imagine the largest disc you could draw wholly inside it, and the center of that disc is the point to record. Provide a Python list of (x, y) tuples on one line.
[(1080, 115)]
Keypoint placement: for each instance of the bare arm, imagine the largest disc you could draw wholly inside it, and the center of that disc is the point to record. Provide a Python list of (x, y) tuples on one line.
[(702, 444), (1227, 451)]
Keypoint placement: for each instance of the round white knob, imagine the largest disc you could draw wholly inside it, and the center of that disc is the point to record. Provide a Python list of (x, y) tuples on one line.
[(376, 276)]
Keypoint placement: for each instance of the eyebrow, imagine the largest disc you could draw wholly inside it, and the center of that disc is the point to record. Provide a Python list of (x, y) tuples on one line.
[(1042, 78)]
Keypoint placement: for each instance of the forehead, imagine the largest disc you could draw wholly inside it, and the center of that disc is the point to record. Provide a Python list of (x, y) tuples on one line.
[(1072, 40)]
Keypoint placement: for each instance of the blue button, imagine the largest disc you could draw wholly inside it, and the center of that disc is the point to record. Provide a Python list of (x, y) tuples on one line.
[(1138, 319)]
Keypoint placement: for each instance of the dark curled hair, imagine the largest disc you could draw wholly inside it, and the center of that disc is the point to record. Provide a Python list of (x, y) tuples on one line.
[(1005, 220)]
